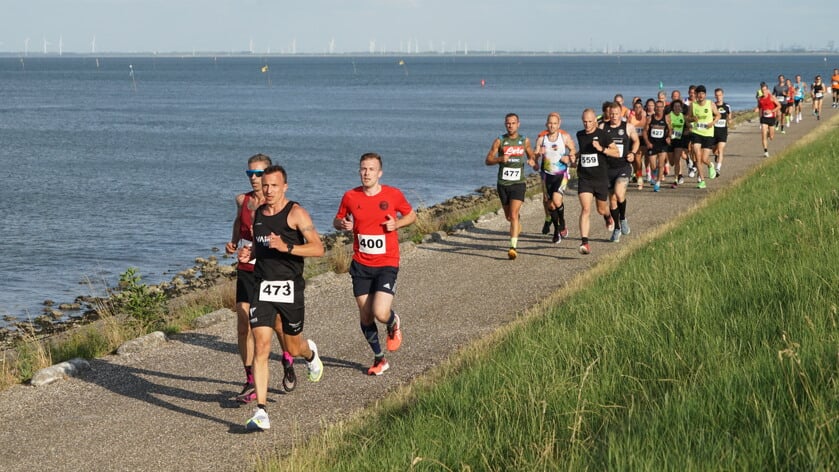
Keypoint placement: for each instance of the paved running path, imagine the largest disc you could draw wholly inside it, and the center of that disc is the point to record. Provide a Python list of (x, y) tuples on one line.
[(168, 408)]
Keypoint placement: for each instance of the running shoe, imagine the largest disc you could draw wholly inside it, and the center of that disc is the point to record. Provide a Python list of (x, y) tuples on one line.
[(379, 366), (511, 253), (247, 395), (556, 238), (394, 335), (656, 187), (616, 236), (783, 131), (259, 421), (681, 180), (625, 226), (766, 154), (316, 366), (718, 172), (563, 232), (610, 224), (289, 377), (692, 172), (546, 228), (712, 173), (701, 184), (585, 248)]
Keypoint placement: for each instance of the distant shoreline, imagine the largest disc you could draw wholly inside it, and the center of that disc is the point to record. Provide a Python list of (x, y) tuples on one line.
[(359, 54)]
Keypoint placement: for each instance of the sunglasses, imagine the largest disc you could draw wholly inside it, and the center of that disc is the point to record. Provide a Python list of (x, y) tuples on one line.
[(254, 173)]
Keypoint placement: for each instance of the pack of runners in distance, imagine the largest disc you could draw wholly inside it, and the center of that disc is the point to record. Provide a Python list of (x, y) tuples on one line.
[(650, 141), (272, 235)]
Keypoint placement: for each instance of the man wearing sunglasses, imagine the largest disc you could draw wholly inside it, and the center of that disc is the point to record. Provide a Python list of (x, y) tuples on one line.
[(246, 204)]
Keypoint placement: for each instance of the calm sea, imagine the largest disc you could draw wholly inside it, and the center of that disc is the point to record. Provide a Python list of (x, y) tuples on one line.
[(102, 171)]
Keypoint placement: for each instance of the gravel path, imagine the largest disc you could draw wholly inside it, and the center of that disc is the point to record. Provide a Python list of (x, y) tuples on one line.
[(168, 408)]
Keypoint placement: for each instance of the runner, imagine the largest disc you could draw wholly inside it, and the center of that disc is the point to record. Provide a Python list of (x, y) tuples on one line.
[(593, 174), (246, 204), (780, 92), (374, 213), (638, 120), (768, 108), (790, 103), (800, 88), (676, 125), (624, 110), (283, 234), (702, 115), (555, 149), (508, 152), (834, 80), (721, 127), (818, 89), (620, 169), (657, 136)]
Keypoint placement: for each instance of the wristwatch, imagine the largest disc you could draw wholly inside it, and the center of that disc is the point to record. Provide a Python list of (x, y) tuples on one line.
[(290, 247)]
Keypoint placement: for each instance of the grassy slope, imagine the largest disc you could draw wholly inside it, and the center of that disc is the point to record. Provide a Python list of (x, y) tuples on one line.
[(715, 346)]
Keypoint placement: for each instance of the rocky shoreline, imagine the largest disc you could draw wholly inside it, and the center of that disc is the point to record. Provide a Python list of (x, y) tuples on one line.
[(207, 272)]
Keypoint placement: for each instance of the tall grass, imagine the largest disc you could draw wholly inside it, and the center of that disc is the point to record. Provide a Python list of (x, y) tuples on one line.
[(713, 347)]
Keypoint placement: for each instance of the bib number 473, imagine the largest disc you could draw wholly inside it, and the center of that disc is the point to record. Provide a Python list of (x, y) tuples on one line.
[(277, 291)]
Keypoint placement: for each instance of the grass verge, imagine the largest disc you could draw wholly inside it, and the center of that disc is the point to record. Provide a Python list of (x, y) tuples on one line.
[(714, 346)]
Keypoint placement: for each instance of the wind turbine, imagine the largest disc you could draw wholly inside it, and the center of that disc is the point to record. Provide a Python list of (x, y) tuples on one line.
[(93, 45), (60, 45), (45, 46), (26, 46)]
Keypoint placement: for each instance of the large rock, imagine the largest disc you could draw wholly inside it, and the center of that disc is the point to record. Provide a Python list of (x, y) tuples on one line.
[(59, 371), (212, 318), (142, 343)]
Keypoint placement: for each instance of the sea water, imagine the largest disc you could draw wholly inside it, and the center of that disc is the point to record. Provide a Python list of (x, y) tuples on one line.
[(116, 162)]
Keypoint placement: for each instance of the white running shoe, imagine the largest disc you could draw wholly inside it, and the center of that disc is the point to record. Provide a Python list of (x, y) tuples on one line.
[(316, 366), (259, 421)]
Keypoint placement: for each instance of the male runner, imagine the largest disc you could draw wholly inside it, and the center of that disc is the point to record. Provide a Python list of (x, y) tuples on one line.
[(702, 115), (721, 127), (768, 108), (593, 173), (374, 213), (780, 91), (555, 149), (508, 152), (626, 140), (283, 235), (638, 120), (246, 204), (676, 124), (657, 136), (834, 81)]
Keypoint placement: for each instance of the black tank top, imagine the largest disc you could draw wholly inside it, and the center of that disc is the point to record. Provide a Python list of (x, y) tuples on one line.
[(658, 130), (621, 139), (270, 263)]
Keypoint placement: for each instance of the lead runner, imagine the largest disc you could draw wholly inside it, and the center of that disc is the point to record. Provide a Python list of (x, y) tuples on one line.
[(374, 212)]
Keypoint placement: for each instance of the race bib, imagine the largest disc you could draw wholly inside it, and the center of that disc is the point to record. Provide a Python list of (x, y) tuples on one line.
[(372, 243), (819, 95), (276, 291), (701, 125), (768, 114), (588, 160), (620, 149), (720, 123), (511, 173), (657, 132), (677, 134)]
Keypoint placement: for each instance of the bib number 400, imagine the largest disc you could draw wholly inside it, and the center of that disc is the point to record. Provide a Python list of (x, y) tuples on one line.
[(281, 291), (371, 244)]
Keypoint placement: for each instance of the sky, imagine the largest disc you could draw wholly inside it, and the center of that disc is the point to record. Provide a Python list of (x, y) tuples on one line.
[(403, 26)]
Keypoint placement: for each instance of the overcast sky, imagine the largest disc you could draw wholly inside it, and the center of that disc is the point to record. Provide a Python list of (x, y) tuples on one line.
[(315, 26)]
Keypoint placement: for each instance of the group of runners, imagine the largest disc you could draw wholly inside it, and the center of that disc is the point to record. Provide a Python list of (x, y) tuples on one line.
[(271, 237), (651, 140)]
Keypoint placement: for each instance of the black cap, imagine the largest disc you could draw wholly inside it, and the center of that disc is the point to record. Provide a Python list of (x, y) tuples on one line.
[(701, 89)]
